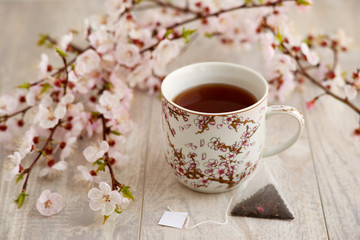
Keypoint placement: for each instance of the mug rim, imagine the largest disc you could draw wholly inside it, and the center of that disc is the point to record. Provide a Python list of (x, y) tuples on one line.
[(233, 65)]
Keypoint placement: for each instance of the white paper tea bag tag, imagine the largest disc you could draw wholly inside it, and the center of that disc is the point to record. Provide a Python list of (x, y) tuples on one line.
[(173, 219)]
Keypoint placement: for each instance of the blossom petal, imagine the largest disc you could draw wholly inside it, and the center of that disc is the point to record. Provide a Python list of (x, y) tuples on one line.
[(62, 165), (95, 205), (45, 171), (107, 209), (104, 146), (44, 195), (95, 193), (115, 197), (105, 188)]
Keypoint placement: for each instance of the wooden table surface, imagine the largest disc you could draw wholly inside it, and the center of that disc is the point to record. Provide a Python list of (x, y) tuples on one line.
[(319, 175)]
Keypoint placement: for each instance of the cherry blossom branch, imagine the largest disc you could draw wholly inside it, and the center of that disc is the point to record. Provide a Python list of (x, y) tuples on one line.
[(114, 183), (60, 69), (6, 117), (27, 171), (200, 16), (170, 5)]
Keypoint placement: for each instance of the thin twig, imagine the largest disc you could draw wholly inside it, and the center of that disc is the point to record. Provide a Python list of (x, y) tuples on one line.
[(198, 17)]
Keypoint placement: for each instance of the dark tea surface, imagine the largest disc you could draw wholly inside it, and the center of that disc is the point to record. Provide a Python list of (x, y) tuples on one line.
[(215, 98)]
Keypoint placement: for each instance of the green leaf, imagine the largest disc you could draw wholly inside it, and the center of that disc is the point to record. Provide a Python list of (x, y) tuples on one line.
[(95, 114), (186, 33), (20, 200), (107, 86), (19, 177), (45, 87), (126, 192), (105, 218), (116, 133), (72, 66), (61, 53), (208, 35), (303, 2), (117, 211), (261, 1), (279, 37), (168, 32), (138, 1), (42, 39), (25, 85), (248, 1)]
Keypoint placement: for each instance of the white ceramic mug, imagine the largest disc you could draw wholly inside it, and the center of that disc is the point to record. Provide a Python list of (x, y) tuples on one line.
[(214, 152)]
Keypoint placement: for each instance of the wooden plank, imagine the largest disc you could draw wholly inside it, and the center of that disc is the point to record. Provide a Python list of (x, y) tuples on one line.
[(330, 125), (76, 221), (293, 170)]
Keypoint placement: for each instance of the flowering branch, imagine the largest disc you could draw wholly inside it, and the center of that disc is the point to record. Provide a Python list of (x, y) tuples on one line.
[(200, 16)]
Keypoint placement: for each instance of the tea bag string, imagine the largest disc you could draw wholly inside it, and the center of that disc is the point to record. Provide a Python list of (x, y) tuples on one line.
[(208, 221)]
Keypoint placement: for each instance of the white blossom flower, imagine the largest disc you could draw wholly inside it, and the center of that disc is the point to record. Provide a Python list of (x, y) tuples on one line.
[(8, 104), (65, 41), (43, 65), (94, 152), (311, 56), (27, 142), (350, 91), (88, 175), (127, 54), (104, 199), (165, 52), (70, 142), (117, 7), (267, 49), (108, 104), (60, 109), (12, 166), (53, 169), (343, 39), (49, 203)]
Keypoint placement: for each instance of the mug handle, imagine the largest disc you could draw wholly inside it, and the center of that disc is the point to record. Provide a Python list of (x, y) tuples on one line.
[(284, 110)]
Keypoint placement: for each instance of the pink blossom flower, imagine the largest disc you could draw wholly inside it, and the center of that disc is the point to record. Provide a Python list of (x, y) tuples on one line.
[(51, 169), (65, 41), (88, 176), (12, 166), (43, 66), (165, 52), (104, 199), (310, 104), (49, 203), (101, 40), (94, 152), (311, 56), (88, 62), (127, 54), (220, 171)]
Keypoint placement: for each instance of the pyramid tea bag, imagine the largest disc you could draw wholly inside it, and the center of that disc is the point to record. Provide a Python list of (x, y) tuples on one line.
[(261, 198)]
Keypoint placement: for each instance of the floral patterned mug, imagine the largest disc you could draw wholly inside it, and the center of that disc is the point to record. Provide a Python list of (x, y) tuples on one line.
[(215, 152)]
